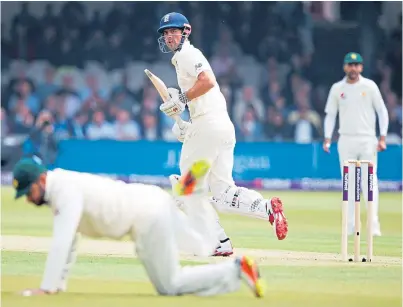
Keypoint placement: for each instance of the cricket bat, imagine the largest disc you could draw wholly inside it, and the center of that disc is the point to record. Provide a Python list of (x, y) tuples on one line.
[(163, 91)]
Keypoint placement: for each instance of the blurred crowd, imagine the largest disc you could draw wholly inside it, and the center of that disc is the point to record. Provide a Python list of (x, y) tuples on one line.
[(81, 75)]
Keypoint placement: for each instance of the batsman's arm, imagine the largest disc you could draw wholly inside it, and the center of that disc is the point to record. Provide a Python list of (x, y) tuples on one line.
[(205, 82), (69, 207), (196, 65)]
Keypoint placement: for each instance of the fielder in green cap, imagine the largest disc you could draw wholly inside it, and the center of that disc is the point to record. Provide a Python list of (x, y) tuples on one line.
[(29, 178), (353, 66), (96, 206), (358, 102)]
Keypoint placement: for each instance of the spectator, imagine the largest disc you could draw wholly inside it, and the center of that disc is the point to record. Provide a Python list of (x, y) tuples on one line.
[(276, 128), (61, 125), (51, 103), (24, 93), (274, 72), (246, 101), (250, 129), (302, 106), (126, 128), (93, 96), (41, 141), (166, 128), (48, 87), (393, 105), (395, 129), (99, 128), (151, 101), (304, 131), (23, 119), (280, 107), (78, 125), (125, 99), (222, 63), (69, 95), (271, 92), (150, 130)]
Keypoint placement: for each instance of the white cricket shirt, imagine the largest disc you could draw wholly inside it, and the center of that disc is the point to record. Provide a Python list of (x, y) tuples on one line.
[(94, 206), (356, 104), (189, 62)]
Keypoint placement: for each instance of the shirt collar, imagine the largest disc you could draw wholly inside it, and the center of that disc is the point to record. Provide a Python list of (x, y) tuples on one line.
[(359, 80), (185, 46)]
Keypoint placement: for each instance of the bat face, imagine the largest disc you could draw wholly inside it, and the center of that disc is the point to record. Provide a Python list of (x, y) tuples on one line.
[(158, 84)]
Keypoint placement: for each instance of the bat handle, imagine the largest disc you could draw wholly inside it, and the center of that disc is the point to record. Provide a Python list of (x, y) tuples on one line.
[(179, 121)]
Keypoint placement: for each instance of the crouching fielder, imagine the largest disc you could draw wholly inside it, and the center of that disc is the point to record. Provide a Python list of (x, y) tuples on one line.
[(100, 207), (211, 134)]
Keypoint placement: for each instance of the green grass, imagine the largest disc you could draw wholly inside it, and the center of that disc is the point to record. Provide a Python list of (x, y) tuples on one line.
[(100, 281), (314, 223), (314, 220)]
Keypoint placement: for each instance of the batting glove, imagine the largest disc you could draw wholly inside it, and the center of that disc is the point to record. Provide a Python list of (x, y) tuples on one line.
[(180, 132), (176, 105)]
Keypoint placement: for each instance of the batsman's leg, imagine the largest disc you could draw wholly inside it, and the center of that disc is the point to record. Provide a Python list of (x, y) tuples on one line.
[(194, 149), (230, 198)]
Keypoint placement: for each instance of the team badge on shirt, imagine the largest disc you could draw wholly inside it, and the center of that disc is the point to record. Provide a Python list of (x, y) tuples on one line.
[(343, 96), (198, 67), (363, 94)]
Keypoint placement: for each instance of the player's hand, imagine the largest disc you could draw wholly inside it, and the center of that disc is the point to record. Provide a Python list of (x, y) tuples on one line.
[(326, 145), (176, 105), (180, 132), (381, 144), (36, 292), (172, 107)]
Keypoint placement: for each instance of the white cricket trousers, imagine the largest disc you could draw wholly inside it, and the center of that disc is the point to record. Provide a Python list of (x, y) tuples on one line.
[(360, 148), (212, 139), (158, 245)]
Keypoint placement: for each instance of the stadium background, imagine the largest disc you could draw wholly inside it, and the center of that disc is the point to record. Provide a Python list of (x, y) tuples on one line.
[(79, 66)]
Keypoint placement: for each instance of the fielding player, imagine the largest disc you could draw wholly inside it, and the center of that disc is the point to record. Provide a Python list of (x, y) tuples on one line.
[(357, 100), (210, 134), (96, 206)]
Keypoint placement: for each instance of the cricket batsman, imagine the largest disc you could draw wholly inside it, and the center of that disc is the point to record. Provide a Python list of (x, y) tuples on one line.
[(96, 206), (357, 100), (210, 133)]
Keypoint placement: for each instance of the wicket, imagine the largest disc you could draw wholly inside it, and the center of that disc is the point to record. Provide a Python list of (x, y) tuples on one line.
[(357, 221)]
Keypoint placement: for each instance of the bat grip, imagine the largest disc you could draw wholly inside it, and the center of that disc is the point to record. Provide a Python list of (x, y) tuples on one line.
[(179, 121)]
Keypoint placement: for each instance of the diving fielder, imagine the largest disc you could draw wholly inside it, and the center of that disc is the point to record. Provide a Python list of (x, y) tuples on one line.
[(357, 100), (210, 133), (96, 206)]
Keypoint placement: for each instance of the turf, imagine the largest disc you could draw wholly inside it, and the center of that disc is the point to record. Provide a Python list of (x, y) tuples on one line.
[(314, 219)]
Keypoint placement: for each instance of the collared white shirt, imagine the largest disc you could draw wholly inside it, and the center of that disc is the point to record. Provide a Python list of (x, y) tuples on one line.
[(94, 206), (189, 62), (357, 105)]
